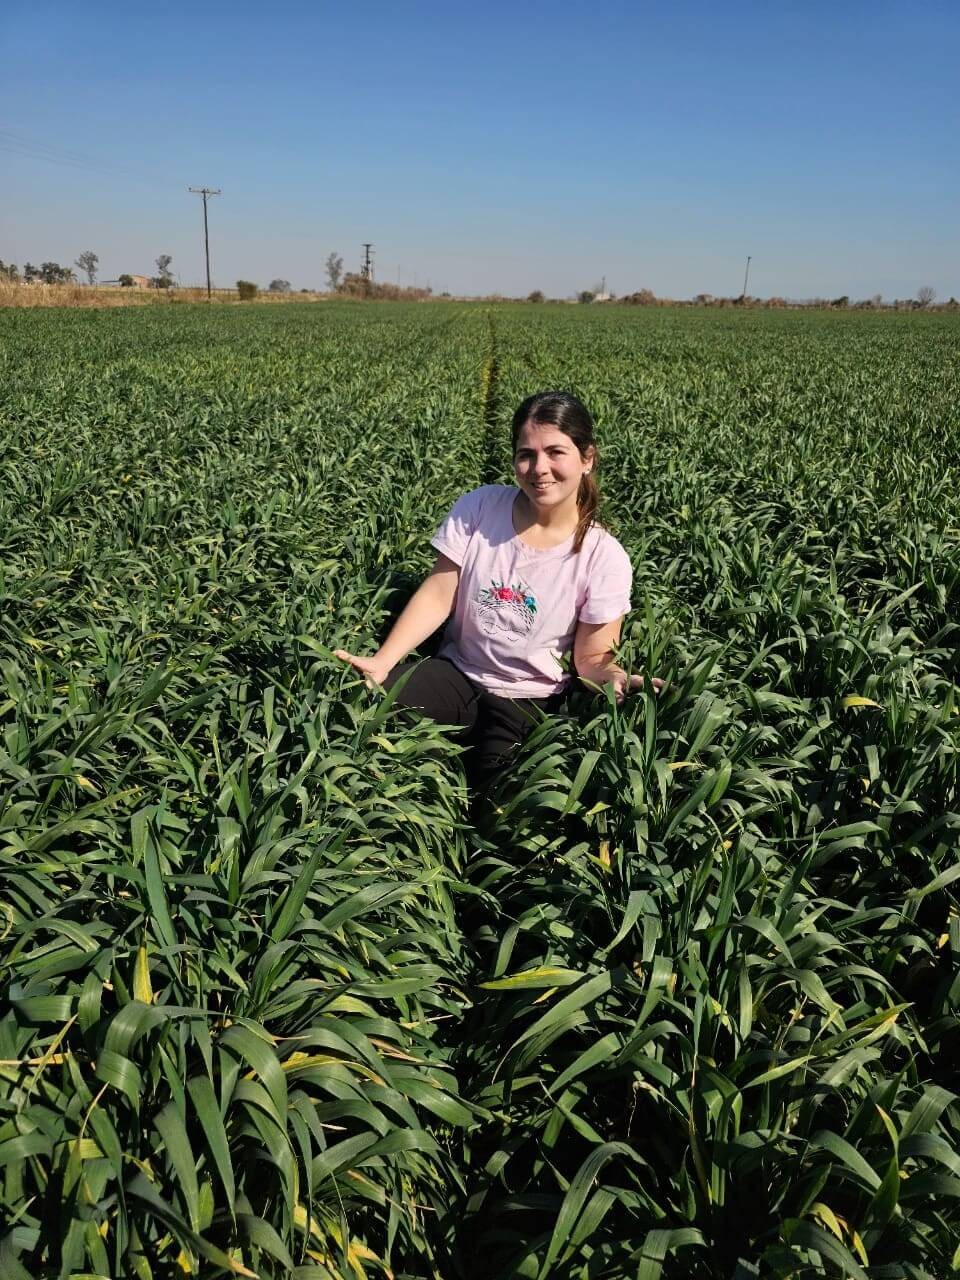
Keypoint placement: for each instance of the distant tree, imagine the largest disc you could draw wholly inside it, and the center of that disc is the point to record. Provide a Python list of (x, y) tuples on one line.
[(925, 295), (304, 290), (9, 272), (126, 281), (585, 295), (334, 269), (30, 272), (247, 290), (53, 273), (88, 263), (164, 277), (536, 296), (841, 302), (877, 301), (279, 286), (642, 298)]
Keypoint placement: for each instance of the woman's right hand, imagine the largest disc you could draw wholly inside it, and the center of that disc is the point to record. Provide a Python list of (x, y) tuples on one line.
[(374, 670)]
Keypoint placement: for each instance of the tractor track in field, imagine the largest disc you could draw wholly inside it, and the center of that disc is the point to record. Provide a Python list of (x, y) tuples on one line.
[(489, 392)]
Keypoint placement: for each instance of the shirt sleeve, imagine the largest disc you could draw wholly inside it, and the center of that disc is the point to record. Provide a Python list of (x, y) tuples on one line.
[(608, 590), (458, 525)]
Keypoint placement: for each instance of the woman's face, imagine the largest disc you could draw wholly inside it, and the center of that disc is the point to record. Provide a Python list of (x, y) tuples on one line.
[(548, 465)]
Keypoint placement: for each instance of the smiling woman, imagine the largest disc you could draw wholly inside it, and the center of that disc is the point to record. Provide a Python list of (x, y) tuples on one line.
[(525, 577)]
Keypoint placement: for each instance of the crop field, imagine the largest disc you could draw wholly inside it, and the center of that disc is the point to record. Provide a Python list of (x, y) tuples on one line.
[(685, 1005)]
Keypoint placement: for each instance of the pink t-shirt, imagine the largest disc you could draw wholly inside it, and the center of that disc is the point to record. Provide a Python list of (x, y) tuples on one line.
[(517, 608)]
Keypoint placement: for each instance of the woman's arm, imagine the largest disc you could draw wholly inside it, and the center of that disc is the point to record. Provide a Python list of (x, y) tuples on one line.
[(428, 608), (593, 646)]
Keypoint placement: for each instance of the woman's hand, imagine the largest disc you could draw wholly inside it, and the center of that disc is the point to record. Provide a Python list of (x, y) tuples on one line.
[(374, 670), (618, 678), (624, 684)]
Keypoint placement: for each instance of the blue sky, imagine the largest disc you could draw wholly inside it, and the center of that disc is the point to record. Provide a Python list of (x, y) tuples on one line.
[(496, 147)]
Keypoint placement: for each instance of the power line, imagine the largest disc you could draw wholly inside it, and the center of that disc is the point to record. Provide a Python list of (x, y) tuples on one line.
[(29, 149), (206, 192)]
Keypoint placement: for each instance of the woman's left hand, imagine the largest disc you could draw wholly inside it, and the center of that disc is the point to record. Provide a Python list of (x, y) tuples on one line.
[(624, 684)]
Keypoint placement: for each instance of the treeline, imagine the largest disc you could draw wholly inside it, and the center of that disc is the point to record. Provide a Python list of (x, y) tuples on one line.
[(88, 263), (46, 273), (924, 300)]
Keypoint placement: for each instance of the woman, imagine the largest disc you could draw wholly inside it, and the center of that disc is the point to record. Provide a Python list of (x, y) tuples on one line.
[(529, 576)]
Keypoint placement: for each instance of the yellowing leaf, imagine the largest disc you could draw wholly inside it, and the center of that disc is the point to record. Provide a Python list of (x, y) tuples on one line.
[(142, 989), (305, 1061), (828, 1218), (391, 1051), (854, 700), (682, 764), (858, 1247), (545, 976), (85, 1149)]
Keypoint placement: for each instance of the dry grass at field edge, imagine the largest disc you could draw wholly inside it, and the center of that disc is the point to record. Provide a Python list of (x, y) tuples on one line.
[(77, 295)]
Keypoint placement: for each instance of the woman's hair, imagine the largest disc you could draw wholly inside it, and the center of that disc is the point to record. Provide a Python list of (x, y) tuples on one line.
[(565, 412)]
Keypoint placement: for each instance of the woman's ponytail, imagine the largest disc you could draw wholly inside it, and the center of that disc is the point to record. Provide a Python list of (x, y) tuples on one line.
[(588, 504)]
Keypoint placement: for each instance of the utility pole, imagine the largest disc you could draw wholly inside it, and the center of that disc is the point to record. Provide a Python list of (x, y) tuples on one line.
[(745, 275), (206, 192), (366, 267)]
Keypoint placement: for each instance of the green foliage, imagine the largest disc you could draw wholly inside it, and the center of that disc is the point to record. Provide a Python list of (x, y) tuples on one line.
[(53, 273), (741, 895), (685, 1006), (247, 290)]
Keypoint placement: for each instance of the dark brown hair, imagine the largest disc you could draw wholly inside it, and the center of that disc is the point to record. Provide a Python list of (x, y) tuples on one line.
[(565, 412)]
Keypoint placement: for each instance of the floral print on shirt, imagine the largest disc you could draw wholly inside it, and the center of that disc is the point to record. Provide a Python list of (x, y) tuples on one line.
[(511, 610)]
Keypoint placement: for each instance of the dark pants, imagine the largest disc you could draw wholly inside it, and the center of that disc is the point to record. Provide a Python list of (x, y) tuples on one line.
[(492, 727)]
